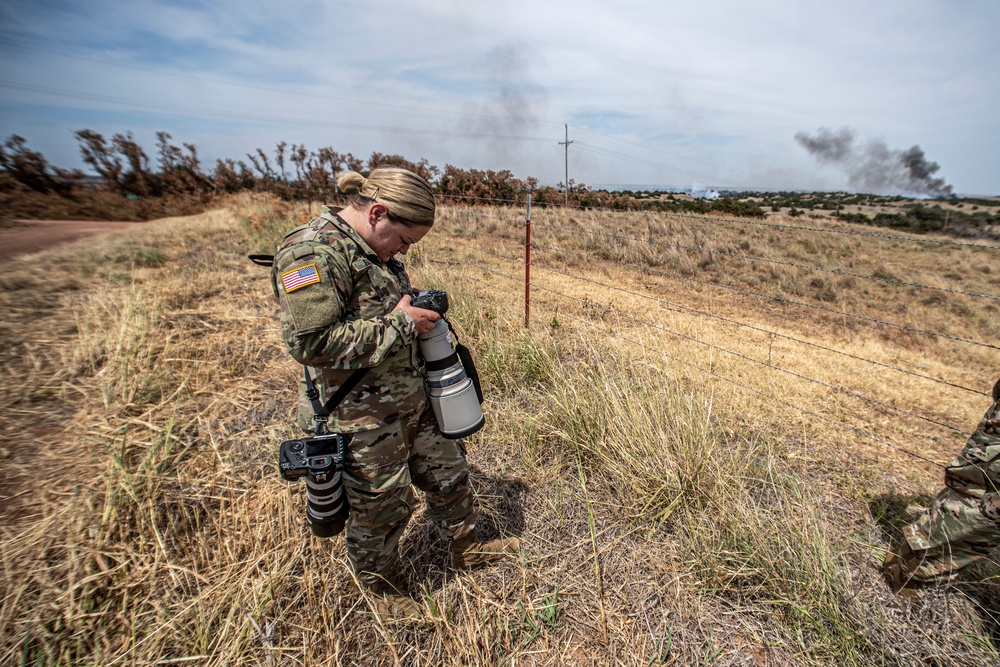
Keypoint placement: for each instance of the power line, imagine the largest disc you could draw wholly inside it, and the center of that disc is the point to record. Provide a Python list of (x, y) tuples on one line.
[(656, 150), (337, 98), (269, 89), (202, 112), (566, 144), (643, 162)]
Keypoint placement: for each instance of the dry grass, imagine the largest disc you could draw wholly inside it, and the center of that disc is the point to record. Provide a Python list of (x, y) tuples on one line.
[(669, 517)]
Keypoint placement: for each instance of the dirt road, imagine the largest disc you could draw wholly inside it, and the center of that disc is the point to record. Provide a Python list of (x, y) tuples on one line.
[(33, 235)]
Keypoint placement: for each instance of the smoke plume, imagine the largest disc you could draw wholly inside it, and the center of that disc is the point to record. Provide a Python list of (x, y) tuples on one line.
[(873, 166), (510, 104)]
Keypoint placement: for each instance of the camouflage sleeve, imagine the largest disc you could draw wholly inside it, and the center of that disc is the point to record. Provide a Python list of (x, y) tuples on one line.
[(356, 343), (345, 340)]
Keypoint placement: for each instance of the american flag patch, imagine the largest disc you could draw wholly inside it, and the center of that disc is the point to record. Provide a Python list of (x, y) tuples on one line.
[(297, 278)]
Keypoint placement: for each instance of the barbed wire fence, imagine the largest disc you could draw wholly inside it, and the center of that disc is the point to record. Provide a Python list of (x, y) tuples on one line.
[(513, 225)]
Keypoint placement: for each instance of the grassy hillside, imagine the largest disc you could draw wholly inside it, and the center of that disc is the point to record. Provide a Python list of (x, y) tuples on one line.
[(689, 490)]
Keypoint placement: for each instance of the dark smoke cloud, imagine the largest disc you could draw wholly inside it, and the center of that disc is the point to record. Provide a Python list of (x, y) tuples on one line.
[(874, 167)]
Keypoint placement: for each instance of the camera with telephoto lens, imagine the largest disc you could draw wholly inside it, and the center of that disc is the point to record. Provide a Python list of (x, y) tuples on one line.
[(430, 299), (453, 394), (320, 460)]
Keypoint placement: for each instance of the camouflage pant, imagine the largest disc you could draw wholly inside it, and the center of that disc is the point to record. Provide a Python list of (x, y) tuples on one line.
[(381, 465), (962, 524)]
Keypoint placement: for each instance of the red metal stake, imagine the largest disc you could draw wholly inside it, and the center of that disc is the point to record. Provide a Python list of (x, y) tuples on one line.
[(527, 265)]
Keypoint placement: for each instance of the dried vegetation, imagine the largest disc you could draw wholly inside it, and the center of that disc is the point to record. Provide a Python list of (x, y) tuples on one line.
[(668, 516)]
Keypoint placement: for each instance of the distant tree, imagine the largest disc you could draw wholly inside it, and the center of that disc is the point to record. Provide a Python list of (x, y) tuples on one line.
[(312, 177), (101, 156), (279, 158), (231, 176), (138, 179), (31, 169), (180, 172), (354, 163), (423, 168), (262, 163), (485, 186), (744, 208), (169, 155), (330, 160)]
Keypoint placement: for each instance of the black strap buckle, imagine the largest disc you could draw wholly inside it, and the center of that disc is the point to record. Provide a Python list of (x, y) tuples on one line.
[(320, 425)]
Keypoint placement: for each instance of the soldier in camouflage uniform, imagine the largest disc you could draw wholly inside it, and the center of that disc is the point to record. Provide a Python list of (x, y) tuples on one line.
[(962, 525), (345, 305)]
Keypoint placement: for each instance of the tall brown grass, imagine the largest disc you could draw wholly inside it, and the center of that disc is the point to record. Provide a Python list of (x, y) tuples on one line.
[(668, 516)]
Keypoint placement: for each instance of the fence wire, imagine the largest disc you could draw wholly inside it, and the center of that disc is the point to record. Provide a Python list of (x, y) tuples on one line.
[(712, 373), (764, 260), (782, 299), (724, 219), (668, 274), (769, 332), (745, 357), (590, 303), (652, 325)]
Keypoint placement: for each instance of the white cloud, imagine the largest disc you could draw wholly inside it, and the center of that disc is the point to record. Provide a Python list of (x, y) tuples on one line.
[(727, 83)]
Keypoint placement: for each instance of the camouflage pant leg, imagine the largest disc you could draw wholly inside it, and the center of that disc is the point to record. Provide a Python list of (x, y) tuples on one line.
[(439, 469), (951, 535), (377, 483), (962, 525)]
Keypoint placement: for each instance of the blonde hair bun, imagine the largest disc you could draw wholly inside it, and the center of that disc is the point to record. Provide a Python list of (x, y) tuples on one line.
[(406, 195)]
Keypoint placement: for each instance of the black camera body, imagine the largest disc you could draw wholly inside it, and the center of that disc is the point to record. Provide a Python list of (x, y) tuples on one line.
[(316, 457), (320, 460), (430, 299)]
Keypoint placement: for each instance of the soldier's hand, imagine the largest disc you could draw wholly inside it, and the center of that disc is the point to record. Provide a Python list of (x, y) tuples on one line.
[(424, 319)]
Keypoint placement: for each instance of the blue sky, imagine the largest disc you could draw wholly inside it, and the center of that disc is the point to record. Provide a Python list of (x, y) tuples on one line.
[(707, 94)]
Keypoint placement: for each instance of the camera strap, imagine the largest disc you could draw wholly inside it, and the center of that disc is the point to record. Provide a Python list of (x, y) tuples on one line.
[(465, 356), (323, 410), (470, 369)]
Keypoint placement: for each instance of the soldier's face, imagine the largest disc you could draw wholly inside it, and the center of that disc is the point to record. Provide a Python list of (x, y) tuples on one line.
[(389, 238)]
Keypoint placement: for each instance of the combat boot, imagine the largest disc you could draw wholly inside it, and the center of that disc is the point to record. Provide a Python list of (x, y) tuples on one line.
[(396, 607), (468, 553), (898, 569), (391, 603)]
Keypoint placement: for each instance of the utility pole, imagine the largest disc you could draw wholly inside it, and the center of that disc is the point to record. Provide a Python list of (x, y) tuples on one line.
[(566, 144)]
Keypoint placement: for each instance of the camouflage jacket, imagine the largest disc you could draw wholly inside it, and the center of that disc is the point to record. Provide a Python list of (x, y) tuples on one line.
[(976, 470), (338, 314)]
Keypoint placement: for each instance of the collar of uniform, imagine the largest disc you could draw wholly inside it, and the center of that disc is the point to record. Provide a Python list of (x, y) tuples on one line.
[(330, 214)]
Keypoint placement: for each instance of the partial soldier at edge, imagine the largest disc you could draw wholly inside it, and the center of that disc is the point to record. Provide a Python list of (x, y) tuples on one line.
[(962, 524)]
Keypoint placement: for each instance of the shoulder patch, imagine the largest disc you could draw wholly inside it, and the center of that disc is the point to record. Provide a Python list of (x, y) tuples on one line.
[(299, 278), (360, 263)]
